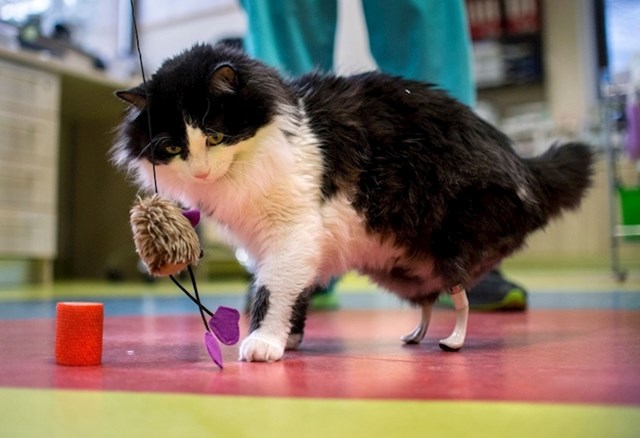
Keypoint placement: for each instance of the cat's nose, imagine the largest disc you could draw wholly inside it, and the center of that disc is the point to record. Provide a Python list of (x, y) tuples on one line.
[(202, 174)]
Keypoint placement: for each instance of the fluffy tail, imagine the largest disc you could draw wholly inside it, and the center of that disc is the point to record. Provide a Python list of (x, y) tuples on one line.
[(564, 173)]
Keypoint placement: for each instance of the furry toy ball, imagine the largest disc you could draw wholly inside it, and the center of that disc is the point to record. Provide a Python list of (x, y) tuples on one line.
[(164, 237)]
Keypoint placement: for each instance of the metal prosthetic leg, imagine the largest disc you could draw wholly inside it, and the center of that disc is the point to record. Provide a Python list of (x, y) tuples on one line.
[(421, 329), (460, 302)]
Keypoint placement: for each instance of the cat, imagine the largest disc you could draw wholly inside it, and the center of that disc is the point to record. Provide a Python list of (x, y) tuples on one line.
[(318, 175)]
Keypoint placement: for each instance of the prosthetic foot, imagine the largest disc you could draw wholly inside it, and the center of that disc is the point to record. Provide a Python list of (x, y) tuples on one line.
[(421, 329), (455, 341)]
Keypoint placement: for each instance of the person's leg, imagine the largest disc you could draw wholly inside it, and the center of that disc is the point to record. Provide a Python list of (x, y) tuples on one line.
[(427, 40), (293, 36)]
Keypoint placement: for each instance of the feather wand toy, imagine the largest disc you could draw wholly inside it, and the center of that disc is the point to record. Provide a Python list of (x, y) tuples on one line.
[(167, 243)]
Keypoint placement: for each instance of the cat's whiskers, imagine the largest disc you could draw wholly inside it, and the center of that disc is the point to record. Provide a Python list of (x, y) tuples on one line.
[(206, 113), (154, 143), (143, 150)]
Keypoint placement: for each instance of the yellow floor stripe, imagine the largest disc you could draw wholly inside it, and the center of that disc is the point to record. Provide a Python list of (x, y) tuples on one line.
[(52, 413)]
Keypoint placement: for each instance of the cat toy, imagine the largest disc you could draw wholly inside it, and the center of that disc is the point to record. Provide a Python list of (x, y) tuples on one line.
[(167, 243), (164, 235), (79, 328)]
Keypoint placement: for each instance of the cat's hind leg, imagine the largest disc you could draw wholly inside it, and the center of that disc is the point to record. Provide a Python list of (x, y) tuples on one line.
[(455, 341), (421, 329)]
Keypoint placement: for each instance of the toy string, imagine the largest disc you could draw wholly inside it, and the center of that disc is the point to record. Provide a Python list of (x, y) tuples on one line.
[(195, 290), (146, 91), (195, 299)]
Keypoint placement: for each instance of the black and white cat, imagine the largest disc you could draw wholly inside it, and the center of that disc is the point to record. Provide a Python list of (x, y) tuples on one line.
[(320, 175)]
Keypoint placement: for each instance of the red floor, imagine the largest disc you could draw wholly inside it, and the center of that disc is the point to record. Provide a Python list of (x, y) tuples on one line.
[(583, 356)]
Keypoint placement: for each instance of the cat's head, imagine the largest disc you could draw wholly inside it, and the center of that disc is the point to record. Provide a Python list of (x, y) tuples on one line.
[(202, 107)]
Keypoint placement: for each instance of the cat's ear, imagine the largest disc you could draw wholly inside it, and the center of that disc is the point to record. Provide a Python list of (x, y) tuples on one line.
[(135, 96), (224, 79)]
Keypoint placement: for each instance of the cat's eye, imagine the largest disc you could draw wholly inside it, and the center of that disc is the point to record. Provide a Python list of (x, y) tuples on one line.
[(173, 150), (214, 138)]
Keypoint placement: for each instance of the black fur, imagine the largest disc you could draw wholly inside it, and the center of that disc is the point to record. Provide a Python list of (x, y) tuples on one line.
[(181, 87), (299, 312), (560, 174), (259, 305), (428, 173)]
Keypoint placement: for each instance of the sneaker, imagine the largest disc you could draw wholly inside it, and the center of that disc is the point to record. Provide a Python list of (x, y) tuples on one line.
[(325, 299), (493, 293)]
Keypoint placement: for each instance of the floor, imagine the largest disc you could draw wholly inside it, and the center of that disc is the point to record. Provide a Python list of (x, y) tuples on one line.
[(569, 366)]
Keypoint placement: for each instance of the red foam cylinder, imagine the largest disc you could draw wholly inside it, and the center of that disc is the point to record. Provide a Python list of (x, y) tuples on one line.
[(79, 327)]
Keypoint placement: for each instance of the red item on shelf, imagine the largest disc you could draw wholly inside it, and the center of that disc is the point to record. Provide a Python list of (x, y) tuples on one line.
[(522, 16), (485, 18)]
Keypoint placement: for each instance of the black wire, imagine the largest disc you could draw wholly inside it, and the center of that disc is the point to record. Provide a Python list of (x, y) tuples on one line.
[(195, 290), (146, 91), (191, 297)]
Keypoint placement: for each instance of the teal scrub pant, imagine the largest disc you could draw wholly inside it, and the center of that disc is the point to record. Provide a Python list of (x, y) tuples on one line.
[(427, 40)]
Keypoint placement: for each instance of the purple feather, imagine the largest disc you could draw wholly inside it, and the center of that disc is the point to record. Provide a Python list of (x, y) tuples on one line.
[(193, 215), (224, 324), (213, 348)]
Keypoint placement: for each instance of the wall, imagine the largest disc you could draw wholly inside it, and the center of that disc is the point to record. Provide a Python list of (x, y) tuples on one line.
[(163, 38), (94, 199), (570, 64)]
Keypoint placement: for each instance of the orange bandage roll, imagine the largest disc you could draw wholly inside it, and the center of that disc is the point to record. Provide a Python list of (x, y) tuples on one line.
[(79, 333)]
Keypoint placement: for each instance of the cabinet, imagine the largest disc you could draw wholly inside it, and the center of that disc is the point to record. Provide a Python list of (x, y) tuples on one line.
[(29, 106)]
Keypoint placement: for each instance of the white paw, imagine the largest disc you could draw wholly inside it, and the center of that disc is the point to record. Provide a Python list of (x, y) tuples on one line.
[(294, 341), (260, 348)]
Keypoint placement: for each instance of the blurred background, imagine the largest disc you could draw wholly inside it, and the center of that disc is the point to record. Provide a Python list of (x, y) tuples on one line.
[(545, 70)]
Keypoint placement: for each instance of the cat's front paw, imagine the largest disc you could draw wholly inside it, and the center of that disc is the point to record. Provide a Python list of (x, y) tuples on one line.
[(260, 348)]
